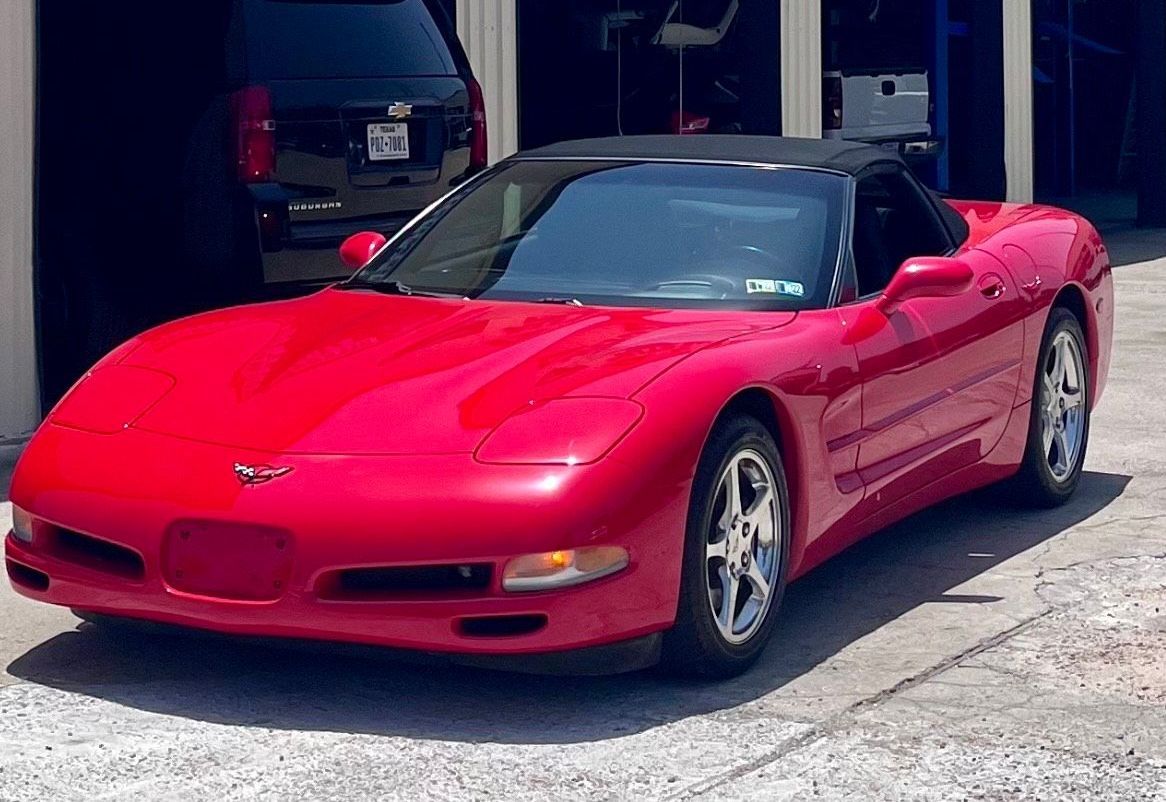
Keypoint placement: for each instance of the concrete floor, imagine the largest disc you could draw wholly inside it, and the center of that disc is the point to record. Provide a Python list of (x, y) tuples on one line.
[(972, 652)]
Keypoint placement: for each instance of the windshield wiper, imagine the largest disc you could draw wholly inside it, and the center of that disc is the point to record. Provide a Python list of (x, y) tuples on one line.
[(557, 300), (393, 288)]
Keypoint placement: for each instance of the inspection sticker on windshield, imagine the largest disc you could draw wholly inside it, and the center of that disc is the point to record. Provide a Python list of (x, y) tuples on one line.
[(770, 287)]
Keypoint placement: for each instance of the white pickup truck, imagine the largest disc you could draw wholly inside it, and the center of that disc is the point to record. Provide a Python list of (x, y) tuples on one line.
[(891, 109)]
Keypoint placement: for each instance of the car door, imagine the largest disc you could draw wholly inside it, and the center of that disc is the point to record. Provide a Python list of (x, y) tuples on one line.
[(939, 374)]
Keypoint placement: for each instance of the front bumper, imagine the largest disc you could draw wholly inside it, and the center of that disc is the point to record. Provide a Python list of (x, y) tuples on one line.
[(134, 487)]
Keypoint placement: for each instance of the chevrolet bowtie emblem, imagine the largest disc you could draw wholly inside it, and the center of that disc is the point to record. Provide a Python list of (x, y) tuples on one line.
[(399, 111), (258, 474)]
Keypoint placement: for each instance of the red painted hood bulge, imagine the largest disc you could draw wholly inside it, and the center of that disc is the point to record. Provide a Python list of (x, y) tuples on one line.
[(352, 372)]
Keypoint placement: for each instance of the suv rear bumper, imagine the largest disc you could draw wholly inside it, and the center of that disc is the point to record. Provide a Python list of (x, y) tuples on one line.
[(911, 148), (307, 252)]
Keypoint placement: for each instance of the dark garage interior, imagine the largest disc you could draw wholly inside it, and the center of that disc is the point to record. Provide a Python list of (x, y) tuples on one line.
[(595, 68), (1101, 109), (120, 98), (132, 133)]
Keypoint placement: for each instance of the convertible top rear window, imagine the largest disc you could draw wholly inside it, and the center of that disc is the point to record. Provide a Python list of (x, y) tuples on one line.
[(629, 234)]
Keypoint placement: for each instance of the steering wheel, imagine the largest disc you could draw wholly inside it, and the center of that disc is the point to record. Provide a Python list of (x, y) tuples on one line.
[(757, 254), (719, 286), (734, 266)]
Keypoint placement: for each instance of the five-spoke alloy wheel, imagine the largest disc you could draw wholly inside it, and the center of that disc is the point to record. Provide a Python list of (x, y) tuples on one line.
[(736, 553), (1062, 405), (1058, 431), (742, 546)]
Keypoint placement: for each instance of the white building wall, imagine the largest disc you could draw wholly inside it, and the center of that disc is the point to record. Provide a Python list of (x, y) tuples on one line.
[(1019, 140), (489, 32), (801, 68), (18, 393)]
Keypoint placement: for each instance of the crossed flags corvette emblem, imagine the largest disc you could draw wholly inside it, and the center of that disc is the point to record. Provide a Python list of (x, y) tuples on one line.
[(258, 474)]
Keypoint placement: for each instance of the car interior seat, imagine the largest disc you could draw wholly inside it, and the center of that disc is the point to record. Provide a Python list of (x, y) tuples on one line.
[(873, 261)]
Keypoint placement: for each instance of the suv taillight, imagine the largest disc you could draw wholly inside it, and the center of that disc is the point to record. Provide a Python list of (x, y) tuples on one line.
[(832, 104), (254, 134), (479, 156)]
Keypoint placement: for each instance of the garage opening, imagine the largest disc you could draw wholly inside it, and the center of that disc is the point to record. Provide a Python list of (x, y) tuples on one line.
[(199, 153), (608, 67), (117, 84), (1090, 156), (924, 79)]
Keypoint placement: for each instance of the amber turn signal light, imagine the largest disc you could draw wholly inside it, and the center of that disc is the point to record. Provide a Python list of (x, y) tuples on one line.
[(550, 570)]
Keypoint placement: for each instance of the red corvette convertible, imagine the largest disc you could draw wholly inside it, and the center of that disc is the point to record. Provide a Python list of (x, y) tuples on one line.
[(603, 401)]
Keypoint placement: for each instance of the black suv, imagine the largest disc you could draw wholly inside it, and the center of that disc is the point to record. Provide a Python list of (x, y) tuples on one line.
[(195, 153), (342, 117)]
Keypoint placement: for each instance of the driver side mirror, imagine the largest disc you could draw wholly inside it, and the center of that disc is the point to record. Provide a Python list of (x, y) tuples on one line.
[(359, 249), (926, 277)]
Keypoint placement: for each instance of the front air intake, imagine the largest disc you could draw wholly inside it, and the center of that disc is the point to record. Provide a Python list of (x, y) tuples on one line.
[(501, 626), (97, 555), (25, 577), (405, 582)]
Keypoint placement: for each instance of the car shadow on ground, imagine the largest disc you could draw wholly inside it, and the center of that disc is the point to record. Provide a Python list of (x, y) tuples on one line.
[(295, 687)]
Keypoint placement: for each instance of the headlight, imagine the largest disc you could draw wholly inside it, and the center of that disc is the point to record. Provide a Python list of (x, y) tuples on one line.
[(563, 431), (21, 525), (109, 399), (561, 569)]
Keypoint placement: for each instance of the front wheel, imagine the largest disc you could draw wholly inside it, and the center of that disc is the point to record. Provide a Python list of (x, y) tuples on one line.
[(735, 555), (1058, 431)]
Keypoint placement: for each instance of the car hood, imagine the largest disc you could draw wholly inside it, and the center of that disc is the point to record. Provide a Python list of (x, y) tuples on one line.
[(354, 372)]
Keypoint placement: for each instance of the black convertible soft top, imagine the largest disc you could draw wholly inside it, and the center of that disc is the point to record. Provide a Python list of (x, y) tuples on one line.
[(828, 154)]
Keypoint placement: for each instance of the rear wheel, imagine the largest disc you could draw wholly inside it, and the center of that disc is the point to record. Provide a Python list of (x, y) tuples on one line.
[(1058, 431), (736, 554)]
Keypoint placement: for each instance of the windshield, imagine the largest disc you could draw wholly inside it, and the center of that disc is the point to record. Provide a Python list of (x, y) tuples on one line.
[(628, 234)]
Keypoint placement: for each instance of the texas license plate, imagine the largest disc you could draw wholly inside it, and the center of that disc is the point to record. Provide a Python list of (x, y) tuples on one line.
[(388, 141)]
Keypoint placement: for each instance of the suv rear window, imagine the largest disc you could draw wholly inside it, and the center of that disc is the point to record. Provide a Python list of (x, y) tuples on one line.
[(298, 39)]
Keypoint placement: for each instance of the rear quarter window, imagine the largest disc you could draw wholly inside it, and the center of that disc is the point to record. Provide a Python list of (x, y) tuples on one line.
[(305, 39)]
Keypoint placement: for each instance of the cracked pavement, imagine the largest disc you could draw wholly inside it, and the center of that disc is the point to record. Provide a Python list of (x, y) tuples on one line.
[(971, 652)]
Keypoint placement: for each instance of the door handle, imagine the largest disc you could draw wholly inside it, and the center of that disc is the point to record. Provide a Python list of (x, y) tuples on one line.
[(992, 286)]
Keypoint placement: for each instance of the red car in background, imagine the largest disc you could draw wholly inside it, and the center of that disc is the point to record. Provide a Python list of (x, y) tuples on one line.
[(607, 397)]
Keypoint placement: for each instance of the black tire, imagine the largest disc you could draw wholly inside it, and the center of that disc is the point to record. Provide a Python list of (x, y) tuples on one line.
[(695, 647), (1035, 485)]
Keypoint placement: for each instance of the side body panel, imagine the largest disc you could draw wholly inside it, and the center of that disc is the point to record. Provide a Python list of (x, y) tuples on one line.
[(811, 375), (940, 378), (1050, 252)]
